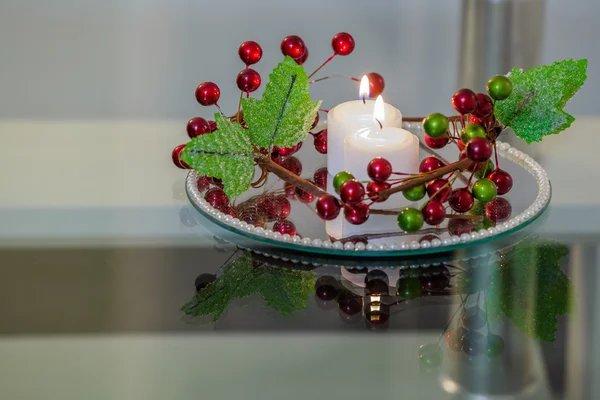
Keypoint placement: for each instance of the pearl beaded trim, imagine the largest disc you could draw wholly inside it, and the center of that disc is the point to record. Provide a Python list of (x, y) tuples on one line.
[(305, 243)]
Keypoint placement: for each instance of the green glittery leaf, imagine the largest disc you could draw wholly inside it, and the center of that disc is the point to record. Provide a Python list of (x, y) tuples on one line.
[(225, 154), (530, 288), (285, 114), (283, 290), (535, 107)]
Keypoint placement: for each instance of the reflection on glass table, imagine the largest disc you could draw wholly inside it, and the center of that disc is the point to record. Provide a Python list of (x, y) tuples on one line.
[(498, 304)]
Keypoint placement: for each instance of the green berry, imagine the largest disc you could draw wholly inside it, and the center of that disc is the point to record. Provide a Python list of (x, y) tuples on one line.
[(430, 355), (499, 87), (471, 131), (409, 288), (487, 168), (411, 219), (415, 194), (484, 190), (340, 178), (435, 125), (495, 345)]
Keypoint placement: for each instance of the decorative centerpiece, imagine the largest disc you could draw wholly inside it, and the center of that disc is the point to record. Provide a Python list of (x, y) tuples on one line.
[(375, 185)]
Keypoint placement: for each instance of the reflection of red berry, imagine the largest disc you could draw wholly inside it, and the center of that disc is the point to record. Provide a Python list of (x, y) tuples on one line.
[(248, 80), (320, 178), (197, 126), (464, 101), (286, 151), (250, 52), (436, 186), (293, 46), (458, 226), (342, 43), (202, 183), (303, 196), (352, 191), (379, 169), (502, 179), (285, 227), (430, 164), (328, 207), (208, 93), (356, 214), (275, 207), (216, 198), (176, 157), (434, 212), (315, 122), (498, 210), (292, 164)]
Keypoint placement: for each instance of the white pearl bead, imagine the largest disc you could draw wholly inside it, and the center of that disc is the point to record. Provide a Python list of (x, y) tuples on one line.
[(258, 230), (446, 242), (267, 233), (348, 246), (371, 247), (393, 246), (474, 235), (276, 236), (455, 239), (382, 247), (306, 241), (296, 239), (338, 245), (465, 237), (483, 233), (228, 218), (425, 244), (235, 222), (250, 228), (404, 246), (326, 244), (414, 245), (436, 243), (286, 238), (360, 246), (317, 242)]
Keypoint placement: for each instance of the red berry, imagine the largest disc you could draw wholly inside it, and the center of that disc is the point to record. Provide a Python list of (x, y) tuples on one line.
[(216, 198), (212, 125), (356, 214), (285, 227), (375, 187), (434, 212), (176, 156), (475, 120), (292, 164), (229, 211), (342, 43), (320, 178), (197, 126), (248, 80), (436, 186), (289, 190), (502, 179), (464, 101), (293, 46), (498, 210), (208, 93), (328, 207), (474, 166), (250, 52), (287, 151), (484, 105), (379, 169), (315, 122), (302, 60), (376, 84), (479, 149), (461, 145), (436, 143), (430, 164), (202, 183), (320, 141), (275, 207), (352, 191), (461, 200), (458, 226), (302, 196)]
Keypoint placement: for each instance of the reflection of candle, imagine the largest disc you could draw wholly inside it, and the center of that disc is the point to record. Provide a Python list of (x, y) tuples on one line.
[(347, 118), (398, 146)]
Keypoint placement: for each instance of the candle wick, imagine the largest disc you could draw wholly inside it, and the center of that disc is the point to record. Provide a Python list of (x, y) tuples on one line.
[(364, 101), (379, 122)]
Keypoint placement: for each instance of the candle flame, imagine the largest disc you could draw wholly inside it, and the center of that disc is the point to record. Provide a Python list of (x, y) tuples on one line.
[(379, 110), (364, 90)]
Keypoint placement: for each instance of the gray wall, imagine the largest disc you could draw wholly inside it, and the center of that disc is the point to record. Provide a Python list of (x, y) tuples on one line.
[(143, 58)]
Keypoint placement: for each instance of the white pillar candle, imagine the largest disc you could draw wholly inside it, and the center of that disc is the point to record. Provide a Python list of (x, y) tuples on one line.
[(398, 146), (347, 118)]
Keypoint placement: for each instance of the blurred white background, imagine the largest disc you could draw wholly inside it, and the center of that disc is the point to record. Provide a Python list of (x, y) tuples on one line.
[(82, 59)]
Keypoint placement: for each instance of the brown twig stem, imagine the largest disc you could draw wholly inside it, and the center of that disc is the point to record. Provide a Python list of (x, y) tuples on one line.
[(322, 65)]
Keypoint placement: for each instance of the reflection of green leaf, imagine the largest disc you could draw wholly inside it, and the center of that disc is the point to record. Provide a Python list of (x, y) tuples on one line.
[(530, 288), (284, 290), (225, 154), (535, 107), (285, 114)]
